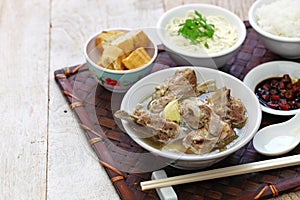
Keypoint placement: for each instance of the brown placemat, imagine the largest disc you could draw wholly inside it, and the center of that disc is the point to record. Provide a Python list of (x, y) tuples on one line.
[(123, 159)]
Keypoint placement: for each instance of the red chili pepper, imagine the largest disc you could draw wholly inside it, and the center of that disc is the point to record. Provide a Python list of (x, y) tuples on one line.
[(274, 83), (273, 105), (296, 88), (266, 97), (283, 101), (284, 106), (266, 86), (275, 97), (281, 85)]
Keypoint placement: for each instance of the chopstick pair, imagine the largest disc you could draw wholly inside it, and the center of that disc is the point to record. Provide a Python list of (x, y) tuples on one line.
[(223, 172)]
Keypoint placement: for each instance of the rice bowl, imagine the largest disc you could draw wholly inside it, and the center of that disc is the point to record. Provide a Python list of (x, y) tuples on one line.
[(287, 47)]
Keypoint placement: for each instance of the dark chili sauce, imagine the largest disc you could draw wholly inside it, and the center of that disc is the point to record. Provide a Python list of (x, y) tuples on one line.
[(280, 93)]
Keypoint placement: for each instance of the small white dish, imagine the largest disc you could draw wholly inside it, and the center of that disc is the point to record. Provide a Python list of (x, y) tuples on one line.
[(268, 70)]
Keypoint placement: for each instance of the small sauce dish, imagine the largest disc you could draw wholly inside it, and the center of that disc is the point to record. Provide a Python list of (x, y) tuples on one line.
[(269, 70)]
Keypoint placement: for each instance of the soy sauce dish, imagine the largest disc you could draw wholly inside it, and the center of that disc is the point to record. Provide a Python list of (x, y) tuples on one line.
[(277, 86)]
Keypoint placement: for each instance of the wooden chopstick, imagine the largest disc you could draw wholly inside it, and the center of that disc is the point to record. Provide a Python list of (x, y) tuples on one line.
[(223, 172)]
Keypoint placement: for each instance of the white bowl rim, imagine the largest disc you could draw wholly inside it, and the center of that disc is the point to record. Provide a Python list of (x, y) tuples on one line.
[(253, 23), (195, 157), (239, 42), (119, 71), (270, 65)]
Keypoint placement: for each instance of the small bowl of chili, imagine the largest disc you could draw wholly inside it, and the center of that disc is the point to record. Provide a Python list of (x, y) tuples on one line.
[(277, 86)]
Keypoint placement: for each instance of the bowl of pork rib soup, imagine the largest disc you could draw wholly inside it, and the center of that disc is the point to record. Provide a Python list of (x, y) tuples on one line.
[(191, 117)]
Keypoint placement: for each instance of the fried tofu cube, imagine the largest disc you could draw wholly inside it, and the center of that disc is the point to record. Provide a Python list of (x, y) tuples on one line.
[(137, 58), (140, 39), (125, 43), (105, 38), (110, 54)]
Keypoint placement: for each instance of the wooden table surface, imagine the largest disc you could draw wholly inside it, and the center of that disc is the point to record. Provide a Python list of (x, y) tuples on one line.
[(44, 153)]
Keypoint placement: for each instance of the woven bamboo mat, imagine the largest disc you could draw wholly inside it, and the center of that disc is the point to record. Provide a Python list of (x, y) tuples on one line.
[(126, 162)]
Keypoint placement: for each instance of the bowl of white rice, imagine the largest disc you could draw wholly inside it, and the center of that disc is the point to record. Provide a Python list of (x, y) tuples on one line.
[(278, 24)]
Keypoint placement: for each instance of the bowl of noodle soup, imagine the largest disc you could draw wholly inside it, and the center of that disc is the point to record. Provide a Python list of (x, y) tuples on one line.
[(229, 32)]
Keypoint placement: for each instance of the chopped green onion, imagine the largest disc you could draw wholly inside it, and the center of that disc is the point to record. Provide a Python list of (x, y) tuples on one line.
[(197, 29)]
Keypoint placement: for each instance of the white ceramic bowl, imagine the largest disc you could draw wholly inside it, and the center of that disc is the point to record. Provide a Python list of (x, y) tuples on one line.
[(268, 70), (213, 60), (143, 88), (283, 46), (116, 80)]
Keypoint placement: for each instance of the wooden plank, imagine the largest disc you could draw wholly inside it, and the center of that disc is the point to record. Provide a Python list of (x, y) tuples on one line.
[(74, 172), (133, 13), (239, 7), (24, 40)]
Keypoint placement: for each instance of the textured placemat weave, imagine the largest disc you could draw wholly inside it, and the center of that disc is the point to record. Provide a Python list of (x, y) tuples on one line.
[(121, 156)]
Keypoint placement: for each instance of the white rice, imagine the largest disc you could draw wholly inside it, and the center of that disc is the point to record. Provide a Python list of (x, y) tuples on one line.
[(281, 18)]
